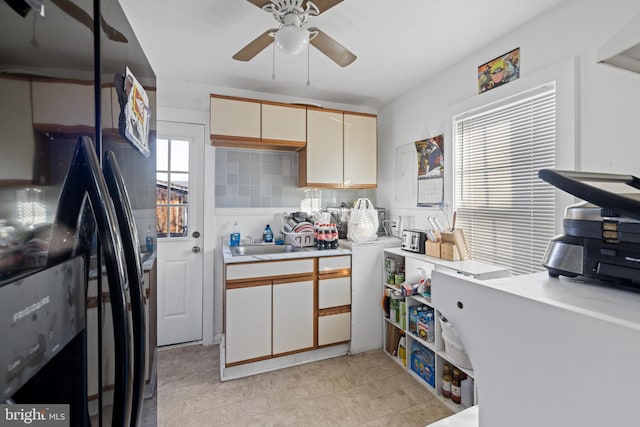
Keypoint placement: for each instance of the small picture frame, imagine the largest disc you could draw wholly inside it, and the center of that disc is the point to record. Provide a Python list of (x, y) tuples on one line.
[(501, 70)]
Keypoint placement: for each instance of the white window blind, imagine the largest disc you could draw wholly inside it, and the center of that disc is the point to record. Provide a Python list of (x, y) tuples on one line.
[(507, 213)]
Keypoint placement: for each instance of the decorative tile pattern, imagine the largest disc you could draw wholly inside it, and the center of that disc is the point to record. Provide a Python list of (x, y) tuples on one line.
[(264, 178), (366, 389)]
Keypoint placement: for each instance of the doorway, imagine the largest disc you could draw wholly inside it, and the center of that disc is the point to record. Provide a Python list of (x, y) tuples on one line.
[(179, 224)]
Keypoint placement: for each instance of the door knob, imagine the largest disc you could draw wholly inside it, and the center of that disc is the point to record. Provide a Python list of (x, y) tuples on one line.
[(195, 249), (195, 234)]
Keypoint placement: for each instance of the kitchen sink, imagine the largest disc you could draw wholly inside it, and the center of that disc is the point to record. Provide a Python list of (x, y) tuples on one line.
[(263, 250)]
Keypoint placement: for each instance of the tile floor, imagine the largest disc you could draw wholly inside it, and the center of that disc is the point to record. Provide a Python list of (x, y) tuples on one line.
[(366, 389)]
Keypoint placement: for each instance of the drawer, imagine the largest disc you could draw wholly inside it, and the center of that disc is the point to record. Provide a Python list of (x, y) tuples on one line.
[(334, 328), (331, 263), (334, 292), (269, 269)]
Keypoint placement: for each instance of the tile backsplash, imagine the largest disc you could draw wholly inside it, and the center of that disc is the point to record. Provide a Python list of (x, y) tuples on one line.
[(264, 178)]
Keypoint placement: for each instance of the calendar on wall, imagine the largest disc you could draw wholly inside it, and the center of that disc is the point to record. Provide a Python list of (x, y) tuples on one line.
[(430, 171)]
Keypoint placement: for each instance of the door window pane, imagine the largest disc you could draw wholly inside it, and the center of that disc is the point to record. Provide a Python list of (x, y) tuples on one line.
[(180, 155), (162, 155), (172, 187), (178, 221)]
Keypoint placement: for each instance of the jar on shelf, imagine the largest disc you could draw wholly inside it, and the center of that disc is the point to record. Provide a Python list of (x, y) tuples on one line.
[(456, 391), (446, 381)]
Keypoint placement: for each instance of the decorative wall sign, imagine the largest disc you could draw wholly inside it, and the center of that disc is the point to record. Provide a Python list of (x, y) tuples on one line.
[(499, 71), (136, 114), (430, 171)]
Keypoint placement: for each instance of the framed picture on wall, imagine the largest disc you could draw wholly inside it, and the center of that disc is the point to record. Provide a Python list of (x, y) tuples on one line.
[(501, 70)]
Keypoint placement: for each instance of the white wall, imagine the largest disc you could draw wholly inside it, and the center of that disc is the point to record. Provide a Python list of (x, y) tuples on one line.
[(598, 118)]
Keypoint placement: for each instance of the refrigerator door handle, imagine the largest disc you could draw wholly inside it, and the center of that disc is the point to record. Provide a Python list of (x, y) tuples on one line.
[(85, 182), (121, 202)]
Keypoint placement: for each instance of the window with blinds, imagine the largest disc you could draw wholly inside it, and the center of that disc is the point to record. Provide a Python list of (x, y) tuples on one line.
[(507, 213)]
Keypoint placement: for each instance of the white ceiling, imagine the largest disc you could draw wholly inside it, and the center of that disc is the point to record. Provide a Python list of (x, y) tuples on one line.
[(399, 44)]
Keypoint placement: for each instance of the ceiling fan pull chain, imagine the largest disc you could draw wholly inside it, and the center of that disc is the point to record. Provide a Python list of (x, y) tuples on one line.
[(273, 72), (308, 81)]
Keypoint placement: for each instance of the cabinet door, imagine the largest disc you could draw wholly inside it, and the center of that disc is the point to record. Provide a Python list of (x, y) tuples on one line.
[(284, 123), (292, 316), (334, 328), (360, 147), (334, 292), (16, 124), (235, 117), (62, 104), (324, 156), (248, 323)]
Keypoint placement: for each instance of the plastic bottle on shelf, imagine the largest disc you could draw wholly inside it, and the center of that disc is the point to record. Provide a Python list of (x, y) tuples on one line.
[(234, 239), (446, 381), (334, 235), (267, 235), (455, 386), (149, 240)]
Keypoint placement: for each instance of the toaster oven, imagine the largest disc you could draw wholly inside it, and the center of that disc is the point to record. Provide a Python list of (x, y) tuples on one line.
[(414, 240)]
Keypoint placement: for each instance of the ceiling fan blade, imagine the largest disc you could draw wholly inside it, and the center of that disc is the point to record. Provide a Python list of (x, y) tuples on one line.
[(79, 14), (75, 11), (255, 47), (112, 33), (260, 3), (323, 5), (334, 50)]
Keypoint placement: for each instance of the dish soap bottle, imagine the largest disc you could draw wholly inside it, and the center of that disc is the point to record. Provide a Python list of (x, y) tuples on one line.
[(149, 240), (267, 235), (235, 236)]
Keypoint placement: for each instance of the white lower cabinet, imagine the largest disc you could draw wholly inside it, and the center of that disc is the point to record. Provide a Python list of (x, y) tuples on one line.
[(248, 323), (292, 316), (274, 309), (334, 328)]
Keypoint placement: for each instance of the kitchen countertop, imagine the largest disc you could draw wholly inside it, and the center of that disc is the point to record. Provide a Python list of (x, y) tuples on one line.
[(386, 241), (307, 252)]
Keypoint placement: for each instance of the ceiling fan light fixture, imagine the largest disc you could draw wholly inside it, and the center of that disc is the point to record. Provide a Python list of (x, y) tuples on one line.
[(292, 39)]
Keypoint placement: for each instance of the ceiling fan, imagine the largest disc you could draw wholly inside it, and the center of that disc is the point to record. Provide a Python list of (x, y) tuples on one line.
[(290, 36)]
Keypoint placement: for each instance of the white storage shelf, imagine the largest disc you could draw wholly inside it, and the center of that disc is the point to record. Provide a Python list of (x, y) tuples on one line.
[(415, 265)]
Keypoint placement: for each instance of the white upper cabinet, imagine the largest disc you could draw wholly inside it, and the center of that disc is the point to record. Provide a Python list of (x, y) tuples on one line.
[(16, 161), (284, 122), (235, 117), (62, 104), (360, 150), (341, 150), (323, 153)]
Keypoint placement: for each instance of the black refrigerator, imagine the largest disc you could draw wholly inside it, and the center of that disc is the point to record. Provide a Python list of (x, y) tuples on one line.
[(74, 195)]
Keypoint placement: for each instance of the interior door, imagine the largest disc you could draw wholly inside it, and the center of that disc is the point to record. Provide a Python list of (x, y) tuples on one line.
[(179, 217)]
